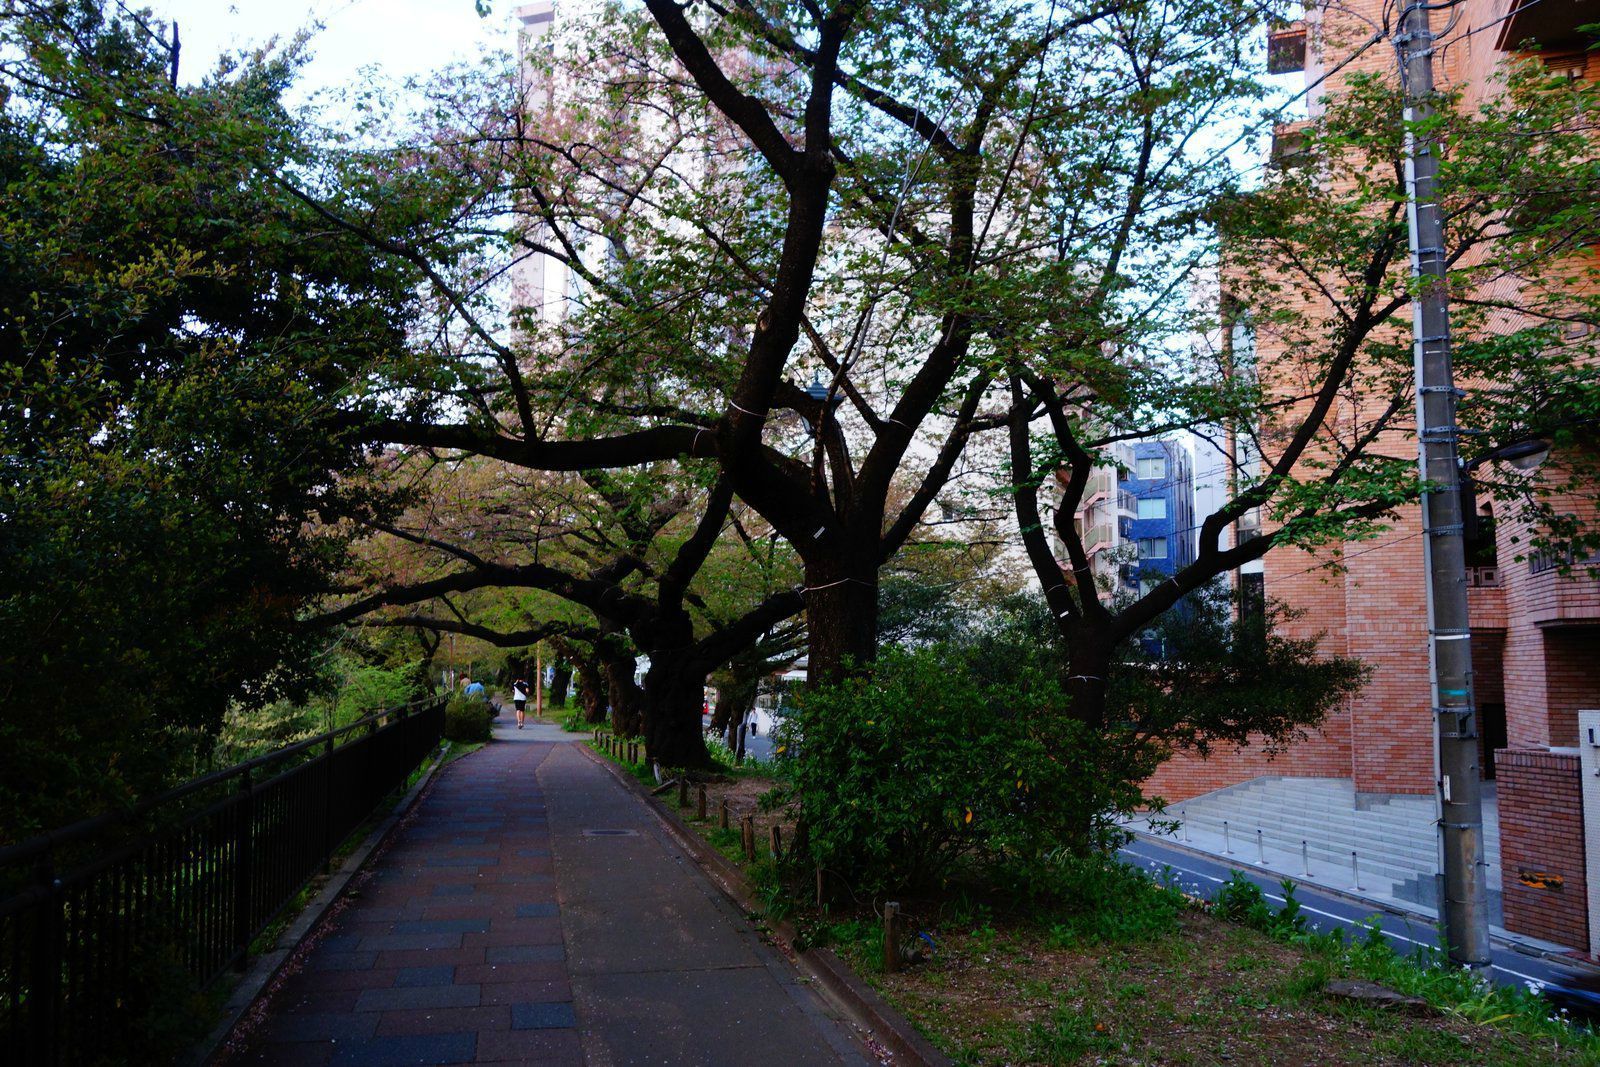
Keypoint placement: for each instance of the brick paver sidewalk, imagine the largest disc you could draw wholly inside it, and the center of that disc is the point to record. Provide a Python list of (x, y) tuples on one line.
[(465, 940)]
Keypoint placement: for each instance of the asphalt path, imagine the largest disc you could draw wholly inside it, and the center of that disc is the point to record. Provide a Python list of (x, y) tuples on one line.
[(1325, 911)]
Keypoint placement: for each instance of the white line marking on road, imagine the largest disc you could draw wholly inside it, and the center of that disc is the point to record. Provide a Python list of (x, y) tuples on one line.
[(1538, 982)]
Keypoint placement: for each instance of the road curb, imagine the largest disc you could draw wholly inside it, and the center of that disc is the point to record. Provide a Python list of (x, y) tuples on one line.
[(838, 982), (267, 966)]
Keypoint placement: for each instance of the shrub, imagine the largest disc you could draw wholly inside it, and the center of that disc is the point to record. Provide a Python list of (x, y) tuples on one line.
[(466, 719), (923, 764), (1241, 901), (1098, 899)]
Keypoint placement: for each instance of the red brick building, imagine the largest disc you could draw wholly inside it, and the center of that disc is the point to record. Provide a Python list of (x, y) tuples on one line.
[(1536, 631)]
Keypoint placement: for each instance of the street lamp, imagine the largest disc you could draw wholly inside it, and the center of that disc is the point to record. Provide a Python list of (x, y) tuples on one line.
[(1524, 455), (818, 391)]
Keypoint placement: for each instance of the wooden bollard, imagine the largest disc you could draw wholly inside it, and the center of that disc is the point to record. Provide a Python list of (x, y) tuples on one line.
[(776, 834), (722, 814), (700, 802), (891, 937), (683, 792), (747, 834)]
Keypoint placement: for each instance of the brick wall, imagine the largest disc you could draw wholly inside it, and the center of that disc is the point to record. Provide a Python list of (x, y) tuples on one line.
[(1324, 754), (1488, 679), (1572, 678), (1376, 610), (1386, 620), (1541, 833)]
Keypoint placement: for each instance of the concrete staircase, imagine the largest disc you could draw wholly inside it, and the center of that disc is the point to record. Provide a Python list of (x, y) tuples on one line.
[(1393, 837)]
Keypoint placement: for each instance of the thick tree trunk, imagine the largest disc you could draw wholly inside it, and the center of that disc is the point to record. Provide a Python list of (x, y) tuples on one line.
[(733, 703), (624, 695), (1088, 674), (560, 682), (592, 691), (841, 618), (723, 711), (674, 692), (740, 715)]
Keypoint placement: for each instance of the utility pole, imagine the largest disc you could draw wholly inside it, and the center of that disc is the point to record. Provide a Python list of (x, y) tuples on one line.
[(1464, 903)]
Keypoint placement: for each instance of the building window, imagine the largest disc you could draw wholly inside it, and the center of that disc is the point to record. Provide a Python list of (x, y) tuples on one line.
[(1253, 597), (1152, 547), (1147, 468), (1154, 507)]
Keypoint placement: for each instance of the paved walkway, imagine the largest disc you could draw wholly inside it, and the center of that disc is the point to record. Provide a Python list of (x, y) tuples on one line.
[(534, 911)]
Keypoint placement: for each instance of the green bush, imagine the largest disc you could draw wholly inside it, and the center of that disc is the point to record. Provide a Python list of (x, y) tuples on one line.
[(1241, 901), (466, 719), (924, 764), (1097, 899)]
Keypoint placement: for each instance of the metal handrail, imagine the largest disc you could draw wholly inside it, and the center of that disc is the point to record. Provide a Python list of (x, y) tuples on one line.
[(201, 884), (50, 840)]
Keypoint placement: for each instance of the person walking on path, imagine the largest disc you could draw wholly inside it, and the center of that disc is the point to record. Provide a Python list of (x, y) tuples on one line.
[(519, 697)]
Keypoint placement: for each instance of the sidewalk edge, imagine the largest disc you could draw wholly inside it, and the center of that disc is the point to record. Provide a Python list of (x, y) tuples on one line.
[(265, 967), (838, 982)]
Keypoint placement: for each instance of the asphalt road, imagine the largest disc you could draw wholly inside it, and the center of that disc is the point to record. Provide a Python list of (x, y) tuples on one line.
[(1407, 933), (758, 745)]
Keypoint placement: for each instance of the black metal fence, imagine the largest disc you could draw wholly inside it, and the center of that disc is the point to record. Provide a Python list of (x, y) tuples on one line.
[(114, 922)]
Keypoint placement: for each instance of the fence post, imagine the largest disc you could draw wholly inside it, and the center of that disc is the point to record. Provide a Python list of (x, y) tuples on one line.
[(244, 818), (747, 835), (776, 834), (722, 814), (700, 802), (45, 981), (891, 937), (371, 794), (683, 792), (329, 843)]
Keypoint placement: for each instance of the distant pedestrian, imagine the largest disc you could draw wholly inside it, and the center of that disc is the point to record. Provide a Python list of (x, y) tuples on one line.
[(519, 697), (474, 690)]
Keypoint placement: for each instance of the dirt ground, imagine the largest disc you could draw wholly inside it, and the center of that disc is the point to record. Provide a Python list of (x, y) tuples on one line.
[(1214, 993)]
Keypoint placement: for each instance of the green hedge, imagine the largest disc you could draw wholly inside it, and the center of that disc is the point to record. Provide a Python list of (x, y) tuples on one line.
[(467, 719), (925, 764)]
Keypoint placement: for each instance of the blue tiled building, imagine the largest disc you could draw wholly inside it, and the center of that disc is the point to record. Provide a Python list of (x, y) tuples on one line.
[(1162, 485)]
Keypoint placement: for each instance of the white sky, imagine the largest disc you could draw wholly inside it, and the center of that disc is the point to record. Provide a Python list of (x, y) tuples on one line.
[(398, 37)]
